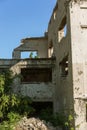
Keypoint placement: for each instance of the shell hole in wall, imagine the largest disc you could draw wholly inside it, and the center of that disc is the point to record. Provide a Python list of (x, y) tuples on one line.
[(29, 54), (64, 67)]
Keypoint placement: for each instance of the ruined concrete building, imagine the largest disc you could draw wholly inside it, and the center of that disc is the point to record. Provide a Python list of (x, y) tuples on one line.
[(57, 75)]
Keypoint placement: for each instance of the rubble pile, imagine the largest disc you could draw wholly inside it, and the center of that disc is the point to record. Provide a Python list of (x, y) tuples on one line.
[(34, 124)]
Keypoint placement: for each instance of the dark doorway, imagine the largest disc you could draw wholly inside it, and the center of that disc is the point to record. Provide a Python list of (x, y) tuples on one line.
[(42, 108)]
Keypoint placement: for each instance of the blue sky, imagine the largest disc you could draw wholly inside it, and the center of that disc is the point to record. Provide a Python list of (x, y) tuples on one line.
[(20, 19)]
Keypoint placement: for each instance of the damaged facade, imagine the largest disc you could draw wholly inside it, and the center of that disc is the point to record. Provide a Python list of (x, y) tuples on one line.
[(58, 74)]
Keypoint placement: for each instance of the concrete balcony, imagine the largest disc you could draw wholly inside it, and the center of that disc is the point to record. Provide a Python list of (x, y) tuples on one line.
[(42, 90)]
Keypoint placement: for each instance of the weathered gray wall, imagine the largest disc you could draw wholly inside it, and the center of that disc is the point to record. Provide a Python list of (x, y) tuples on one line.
[(32, 44), (37, 91), (78, 17), (72, 87)]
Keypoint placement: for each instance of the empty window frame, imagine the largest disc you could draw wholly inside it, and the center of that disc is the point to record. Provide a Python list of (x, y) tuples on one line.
[(36, 75), (62, 29), (29, 54), (64, 67), (50, 49)]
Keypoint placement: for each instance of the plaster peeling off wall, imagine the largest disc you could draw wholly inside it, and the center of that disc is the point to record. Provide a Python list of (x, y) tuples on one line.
[(40, 91)]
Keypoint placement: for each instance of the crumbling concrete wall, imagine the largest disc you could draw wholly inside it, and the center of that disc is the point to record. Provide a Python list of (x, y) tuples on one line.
[(66, 43), (32, 44), (69, 37), (38, 91), (62, 49)]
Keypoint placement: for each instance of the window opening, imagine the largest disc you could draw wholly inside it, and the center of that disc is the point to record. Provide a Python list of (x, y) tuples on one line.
[(62, 32), (50, 52), (50, 49), (35, 75), (64, 67), (29, 54)]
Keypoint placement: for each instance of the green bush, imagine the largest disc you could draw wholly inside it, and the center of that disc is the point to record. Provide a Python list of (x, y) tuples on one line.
[(56, 119), (12, 106)]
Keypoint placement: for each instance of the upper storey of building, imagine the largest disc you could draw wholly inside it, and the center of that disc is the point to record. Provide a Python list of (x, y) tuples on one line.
[(59, 28), (36, 46)]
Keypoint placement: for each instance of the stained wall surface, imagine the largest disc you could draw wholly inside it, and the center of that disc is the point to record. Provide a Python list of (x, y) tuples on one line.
[(69, 37)]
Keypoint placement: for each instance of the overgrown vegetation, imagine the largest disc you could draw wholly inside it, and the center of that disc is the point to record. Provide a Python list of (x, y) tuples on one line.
[(57, 119), (12, 106)]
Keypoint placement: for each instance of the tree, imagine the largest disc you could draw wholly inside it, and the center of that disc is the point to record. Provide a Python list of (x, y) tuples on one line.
[(31, 55)]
